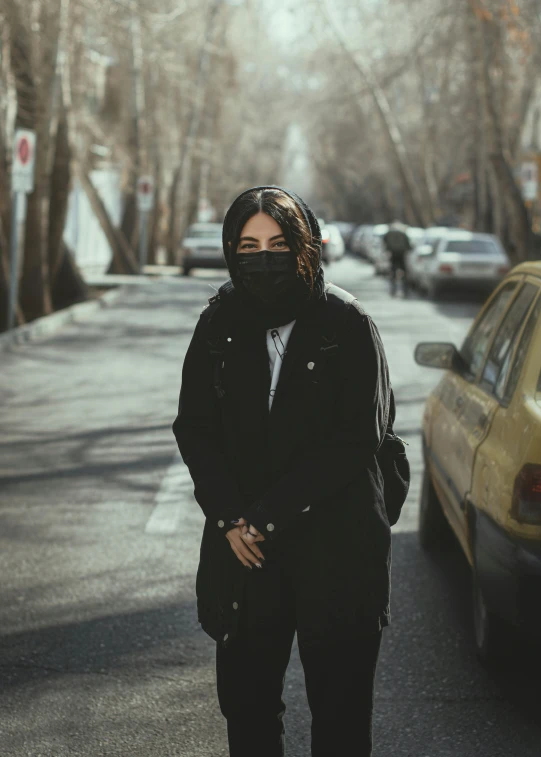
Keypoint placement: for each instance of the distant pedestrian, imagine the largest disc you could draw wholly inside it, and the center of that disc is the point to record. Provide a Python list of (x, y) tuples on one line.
[(397, 243), (285, 399)]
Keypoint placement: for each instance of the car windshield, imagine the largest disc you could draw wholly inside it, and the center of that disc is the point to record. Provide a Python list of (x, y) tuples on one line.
[(202, 232), (471, 246)]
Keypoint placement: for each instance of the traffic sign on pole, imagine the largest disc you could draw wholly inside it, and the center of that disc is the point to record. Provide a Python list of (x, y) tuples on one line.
[(22, 183), (145, 203), (145, 193), (24, 158)]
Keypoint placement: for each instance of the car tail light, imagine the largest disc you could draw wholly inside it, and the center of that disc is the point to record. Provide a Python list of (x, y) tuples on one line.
[(502, 270), (527, 495), (325, 236), (445, 268)]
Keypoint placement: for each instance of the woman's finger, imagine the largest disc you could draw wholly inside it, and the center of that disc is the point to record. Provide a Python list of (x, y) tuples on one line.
[(242, 559), (252, 554), (250, 539)]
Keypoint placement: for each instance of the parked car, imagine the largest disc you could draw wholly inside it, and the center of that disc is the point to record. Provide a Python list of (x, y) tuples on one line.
[(335, 246), (346, 228), (328, 246), (423, 248), (481, 436), (358, 242), (202, 247), (463, 260), (375, 247)]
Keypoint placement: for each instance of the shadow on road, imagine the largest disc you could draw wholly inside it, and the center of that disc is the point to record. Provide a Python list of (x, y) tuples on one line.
[(432, 620), (153, 638)]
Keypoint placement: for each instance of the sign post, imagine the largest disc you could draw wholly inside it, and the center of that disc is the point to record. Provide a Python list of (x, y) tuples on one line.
[(145, 203), (22, 183)]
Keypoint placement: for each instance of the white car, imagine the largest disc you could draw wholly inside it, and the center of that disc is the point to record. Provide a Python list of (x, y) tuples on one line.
[(331, 248), (335, 246), (463, 260), (422, 249), (202, 247)]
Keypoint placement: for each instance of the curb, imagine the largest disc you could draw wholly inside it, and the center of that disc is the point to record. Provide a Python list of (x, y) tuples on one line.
[(49, 324)]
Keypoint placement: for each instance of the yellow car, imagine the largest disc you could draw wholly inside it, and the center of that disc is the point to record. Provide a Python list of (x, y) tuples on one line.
[(482, 454)]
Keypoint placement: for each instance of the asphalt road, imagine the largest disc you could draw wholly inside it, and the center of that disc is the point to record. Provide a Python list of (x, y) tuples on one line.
[(100, 649)]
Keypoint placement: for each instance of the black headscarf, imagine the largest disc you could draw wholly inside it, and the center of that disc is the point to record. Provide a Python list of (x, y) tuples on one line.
[(270, 317)]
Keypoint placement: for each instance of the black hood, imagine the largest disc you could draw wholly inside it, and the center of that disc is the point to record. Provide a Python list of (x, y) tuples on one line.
[(305, 209)]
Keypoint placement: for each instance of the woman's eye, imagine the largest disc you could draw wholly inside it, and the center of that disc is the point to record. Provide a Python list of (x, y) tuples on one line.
[(282, 243)]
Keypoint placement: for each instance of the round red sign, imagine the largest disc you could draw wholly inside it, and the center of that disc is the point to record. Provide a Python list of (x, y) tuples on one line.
[(23, 150)]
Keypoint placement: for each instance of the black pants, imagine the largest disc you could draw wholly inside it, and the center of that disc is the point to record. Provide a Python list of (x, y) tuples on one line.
[(398, 264), (251, 670)]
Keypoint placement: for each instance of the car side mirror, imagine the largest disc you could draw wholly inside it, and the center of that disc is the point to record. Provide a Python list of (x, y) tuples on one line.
[(443, 355), (424, 250)]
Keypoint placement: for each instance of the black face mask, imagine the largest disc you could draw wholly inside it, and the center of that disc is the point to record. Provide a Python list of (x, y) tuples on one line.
[(268, 276)]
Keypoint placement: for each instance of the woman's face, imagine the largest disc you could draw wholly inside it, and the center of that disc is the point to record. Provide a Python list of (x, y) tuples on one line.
[(261, 232)]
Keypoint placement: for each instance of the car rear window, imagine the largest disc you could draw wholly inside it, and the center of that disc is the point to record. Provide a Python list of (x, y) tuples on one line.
[(199, 233), (474, 246)]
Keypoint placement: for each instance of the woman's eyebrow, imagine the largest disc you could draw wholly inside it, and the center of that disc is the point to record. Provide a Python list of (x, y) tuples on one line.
[(253, 239)]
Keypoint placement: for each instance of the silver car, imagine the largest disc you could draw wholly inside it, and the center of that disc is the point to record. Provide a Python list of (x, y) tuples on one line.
[(463, 260), (336, 246), (202, 247), (422, 249)]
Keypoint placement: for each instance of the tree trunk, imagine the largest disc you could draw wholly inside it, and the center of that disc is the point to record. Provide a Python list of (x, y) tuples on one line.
[(32, 112), (487, 38), (388, 121), (182, 174), (123, 256), (67, 284), (59, 193)]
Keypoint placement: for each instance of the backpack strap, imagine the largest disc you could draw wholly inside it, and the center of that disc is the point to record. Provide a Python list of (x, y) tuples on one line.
[(330, 343), (333, 328)]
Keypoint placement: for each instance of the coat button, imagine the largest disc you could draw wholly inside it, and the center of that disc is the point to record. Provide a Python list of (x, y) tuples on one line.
[(235, 605), (226, 637), (221, 523), (270, 527), (311, 366)]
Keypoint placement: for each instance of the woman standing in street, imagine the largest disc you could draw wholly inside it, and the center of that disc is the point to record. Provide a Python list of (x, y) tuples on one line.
[(285, 400)]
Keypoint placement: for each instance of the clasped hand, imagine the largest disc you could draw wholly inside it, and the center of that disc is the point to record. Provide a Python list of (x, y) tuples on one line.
[(244, 544)]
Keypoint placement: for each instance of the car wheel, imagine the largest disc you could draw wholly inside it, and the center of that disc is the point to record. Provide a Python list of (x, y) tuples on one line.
[(491, 634), (186, 270), (433, 526)]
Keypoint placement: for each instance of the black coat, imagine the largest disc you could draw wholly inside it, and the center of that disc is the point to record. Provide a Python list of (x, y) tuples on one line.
[(316, 447)]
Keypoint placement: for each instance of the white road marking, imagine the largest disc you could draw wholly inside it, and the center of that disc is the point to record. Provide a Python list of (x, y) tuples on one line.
[(170, 499)]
